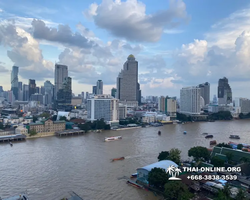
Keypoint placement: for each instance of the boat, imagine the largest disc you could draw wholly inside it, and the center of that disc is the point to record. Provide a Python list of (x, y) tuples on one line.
[(209, 136), (114, 159), (185, 132), (213, 142), (11, 144), (159, 132), (112, 138), (133, 175), (17, 197), (135, 184), (234, 137)]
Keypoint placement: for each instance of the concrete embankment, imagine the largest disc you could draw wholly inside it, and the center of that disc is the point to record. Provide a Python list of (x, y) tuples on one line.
[(41, 135)]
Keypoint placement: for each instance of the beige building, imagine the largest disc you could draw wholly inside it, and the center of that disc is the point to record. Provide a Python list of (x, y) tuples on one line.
[(75, 101), (48, 126), (21, 130)]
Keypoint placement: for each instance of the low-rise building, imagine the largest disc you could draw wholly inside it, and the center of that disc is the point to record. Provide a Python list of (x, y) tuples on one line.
[(47, 126), (122, 111), (142, 173), (21, 130), (149, 117), (7, 132)]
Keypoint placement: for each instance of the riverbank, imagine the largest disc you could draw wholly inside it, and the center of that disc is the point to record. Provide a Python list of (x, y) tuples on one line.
[(40, 136)]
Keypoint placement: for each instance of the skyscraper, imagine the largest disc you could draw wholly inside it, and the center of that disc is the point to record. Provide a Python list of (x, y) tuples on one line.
[(32, 87), (20, 91), (190, 100), (128, 88), (205, 92), (64, 95), (25, 92), (99, 87), (94, 90), (113, 92), (224, 92), (61, 72), (14, 81), (49, 91)]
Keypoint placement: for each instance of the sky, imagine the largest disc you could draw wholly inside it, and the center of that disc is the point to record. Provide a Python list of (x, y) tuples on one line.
[(177, 43)]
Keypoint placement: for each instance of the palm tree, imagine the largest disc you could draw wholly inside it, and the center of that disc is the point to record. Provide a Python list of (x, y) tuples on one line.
[(241, 195)]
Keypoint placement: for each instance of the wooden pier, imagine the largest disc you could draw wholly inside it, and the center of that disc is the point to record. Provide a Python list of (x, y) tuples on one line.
[(11, 138), (69, 132)]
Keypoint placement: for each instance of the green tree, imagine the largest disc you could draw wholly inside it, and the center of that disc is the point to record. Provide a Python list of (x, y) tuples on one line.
[(63, 118), (217, 162), (54, 118), (176, 190), (157, 177), (35, 119), (199, 153), (175, 155), (241, 195), (239, 146), (32, 132), (45, 114), (245, 160), (224, 145), (86, 127), (164, 155)]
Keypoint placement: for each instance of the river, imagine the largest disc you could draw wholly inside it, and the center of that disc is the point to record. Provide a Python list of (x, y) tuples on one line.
[(51, 167)]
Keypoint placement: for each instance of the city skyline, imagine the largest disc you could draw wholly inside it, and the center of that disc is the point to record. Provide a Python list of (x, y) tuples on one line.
[(199, 50)]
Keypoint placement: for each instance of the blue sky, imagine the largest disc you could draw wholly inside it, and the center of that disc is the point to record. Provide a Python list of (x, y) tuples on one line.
[(177, 43)]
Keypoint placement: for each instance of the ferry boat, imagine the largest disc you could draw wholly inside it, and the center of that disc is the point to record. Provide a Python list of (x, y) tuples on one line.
[(209, 136), (107, 139), (234, 137)]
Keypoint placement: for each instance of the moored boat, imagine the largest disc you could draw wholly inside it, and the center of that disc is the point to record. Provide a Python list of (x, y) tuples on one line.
[(234, 137), (106, 139), (213, 142), (114, 159), (135, 184), (209, 136), (133, 175)]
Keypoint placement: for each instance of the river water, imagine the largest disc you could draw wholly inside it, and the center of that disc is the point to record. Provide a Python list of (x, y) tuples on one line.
[(48, 168)]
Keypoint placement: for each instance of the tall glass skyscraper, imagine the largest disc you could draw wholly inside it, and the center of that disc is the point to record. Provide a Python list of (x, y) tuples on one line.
[(14, 81), (99, 87), (61, 72), (224, 92)]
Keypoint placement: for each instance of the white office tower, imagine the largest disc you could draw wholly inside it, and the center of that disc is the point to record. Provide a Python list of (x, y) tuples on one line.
[(61, 72), (103, 107), (190, 100)]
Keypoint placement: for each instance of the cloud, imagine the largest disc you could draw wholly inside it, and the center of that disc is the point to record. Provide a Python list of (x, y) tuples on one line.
[(197, 62), (224, 32), (1, 10), (62, 35), (24, 51), (131, 21), (173, 31), (3, 69)]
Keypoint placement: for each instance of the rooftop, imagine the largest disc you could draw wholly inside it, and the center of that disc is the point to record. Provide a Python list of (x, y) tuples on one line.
[(164, 164)]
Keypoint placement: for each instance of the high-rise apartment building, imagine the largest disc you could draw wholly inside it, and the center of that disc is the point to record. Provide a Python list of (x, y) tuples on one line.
[(113, 92), (224, 92), (25, 92), (244, 105), (64, 95), (14, 81), (190, 100), (20, 91), (61, 72), (99, 87), (205, 92), (49, 91), (103, 107), (32, 87), (94, 90), (128, 88), (167, 105)]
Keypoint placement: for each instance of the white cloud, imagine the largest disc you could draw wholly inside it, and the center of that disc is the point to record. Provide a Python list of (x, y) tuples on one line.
[(224, 32), (131, 15)]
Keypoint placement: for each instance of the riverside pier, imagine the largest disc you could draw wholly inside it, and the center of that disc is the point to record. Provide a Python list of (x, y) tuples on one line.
[(69, 133)]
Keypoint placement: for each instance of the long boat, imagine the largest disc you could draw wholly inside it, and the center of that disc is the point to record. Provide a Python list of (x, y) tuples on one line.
[(107, 139), (234, 137), (209, 136), (135, 184), (114, 159)]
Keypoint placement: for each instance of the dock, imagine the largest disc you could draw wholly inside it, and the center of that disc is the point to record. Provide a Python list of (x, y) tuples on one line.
[(69, 132), (11, 138)]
